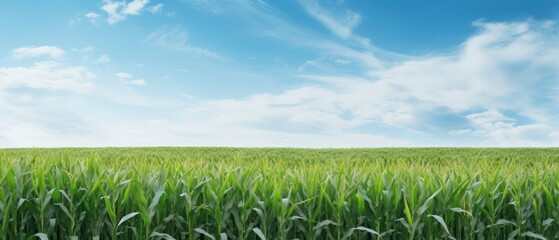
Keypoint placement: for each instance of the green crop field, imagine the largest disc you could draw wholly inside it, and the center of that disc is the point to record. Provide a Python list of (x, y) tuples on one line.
[(230, 193)]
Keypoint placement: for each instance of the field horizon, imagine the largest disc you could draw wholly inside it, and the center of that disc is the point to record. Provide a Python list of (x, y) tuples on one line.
[(281, 147)]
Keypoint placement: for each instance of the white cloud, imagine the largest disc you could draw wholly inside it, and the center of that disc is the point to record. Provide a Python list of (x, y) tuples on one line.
[(92, 17), (501, 61), (48, 75), (302, 109), (176, 38), (119, 10), (39, 118), (104, 58), (18, 134), (500, 129), (139, 82), (134, 7), (51, 74), (113, 9), (156, 8), (32, 51), (187, 96), (123, 75), (489, 119), (204, 134), (127, 77), (160, 132), (341, 24)]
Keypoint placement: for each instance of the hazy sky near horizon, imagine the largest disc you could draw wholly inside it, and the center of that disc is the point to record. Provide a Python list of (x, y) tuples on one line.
[(308, 73)]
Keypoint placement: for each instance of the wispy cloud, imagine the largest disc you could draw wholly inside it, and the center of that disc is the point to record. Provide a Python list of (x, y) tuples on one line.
[(266, 21), (340, 23), (123, 75), (139, 82), (216, 7), (33, 51), (176, 38), (104, 58), (323, 64), (92, 17), (128, 78), (157, 8)]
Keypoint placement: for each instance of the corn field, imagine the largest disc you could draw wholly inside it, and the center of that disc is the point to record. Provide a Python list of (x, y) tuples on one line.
[(230, 193)]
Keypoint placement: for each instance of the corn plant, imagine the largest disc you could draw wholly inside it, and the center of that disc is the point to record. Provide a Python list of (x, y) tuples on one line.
[(233, 193)]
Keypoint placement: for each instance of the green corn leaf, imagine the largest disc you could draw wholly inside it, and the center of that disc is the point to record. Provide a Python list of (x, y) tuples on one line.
[(41, 236), (259, 233), (443, 223), (109, 207), (126, 196), (513, 235), (65, 210), (427, 202), (203, 232), (548, 222), (155, 201), (127, 217), (409, 217), (502, 222), (324, 223), (293, 218), (65, 195), (21, 202), (161, 236), (352, 230), (460, 210), (533, 235), (124, 182), (52, 223), (202, 183), (404, 223), (259, 212)]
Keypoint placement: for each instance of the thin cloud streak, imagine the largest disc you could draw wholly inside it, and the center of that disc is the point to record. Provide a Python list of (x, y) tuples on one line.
[(176, 38), (341, 25)]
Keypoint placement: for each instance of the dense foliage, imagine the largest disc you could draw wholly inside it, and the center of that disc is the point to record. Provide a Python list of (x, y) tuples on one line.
[(229, 193)]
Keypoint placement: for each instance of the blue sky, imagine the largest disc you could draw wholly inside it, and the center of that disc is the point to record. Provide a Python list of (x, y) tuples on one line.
[(311, 73)]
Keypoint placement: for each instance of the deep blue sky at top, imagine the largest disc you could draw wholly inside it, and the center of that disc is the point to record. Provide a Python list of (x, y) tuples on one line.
[(409, 27)]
